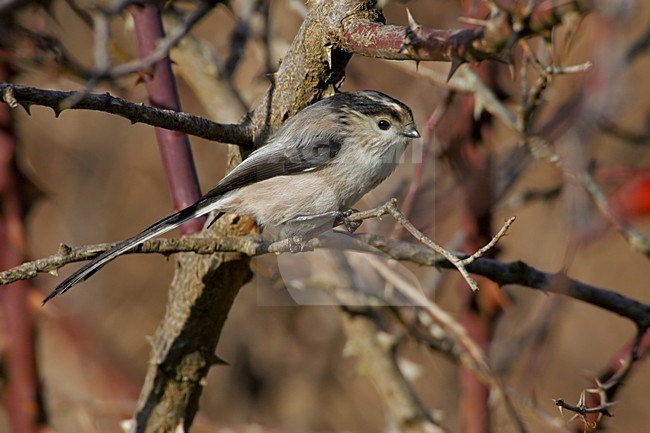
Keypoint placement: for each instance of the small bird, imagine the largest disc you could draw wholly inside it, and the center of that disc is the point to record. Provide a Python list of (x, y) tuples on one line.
[(307, 176)]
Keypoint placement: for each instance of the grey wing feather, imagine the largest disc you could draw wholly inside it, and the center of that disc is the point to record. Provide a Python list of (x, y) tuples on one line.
[(278, 159)]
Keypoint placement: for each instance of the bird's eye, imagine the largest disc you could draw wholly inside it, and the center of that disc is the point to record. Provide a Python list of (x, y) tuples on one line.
[(384, 124)]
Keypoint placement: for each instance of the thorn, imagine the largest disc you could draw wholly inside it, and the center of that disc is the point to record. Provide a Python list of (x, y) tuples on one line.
[(64, 249), (407, 46), (456, 63), (48, 7), (574, 417), (479, 107), (512, 40), (473, 21), (412, 24), (412, 33), (271, 76), (57, 111), (216, 360), (328, 53), (505, 57)]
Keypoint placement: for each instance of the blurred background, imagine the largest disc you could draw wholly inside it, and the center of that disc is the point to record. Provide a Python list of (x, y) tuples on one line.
[(100, 179)]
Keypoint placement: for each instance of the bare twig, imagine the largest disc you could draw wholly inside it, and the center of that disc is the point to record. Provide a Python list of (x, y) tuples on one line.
[(204, 71), (475, 359), (634, 237), (379, 363), (518, 273), (479, 253), (162, 46), (391, 207)]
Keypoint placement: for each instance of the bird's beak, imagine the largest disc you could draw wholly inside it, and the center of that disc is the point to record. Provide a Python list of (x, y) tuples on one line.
[(411, 131)]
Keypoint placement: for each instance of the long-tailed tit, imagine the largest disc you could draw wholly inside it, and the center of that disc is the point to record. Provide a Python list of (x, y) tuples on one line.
[(311, 171)]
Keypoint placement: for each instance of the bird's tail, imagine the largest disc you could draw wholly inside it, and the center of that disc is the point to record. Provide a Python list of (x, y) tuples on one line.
[(162, 226)]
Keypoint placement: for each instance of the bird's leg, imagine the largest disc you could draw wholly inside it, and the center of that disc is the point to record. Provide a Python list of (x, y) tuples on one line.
[(304, 227), (296, 244), (342, 217), (326, 220)]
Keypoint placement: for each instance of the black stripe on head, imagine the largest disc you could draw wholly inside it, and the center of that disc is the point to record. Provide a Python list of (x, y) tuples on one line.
[(371, 103)]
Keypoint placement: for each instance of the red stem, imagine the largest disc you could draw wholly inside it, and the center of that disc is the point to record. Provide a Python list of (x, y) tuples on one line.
[(174, 146), (21, 392), (479, 312)]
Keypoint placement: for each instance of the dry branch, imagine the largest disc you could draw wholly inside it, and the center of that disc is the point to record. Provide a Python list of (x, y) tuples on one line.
[(501, 30), (514, 273), (134, 112)]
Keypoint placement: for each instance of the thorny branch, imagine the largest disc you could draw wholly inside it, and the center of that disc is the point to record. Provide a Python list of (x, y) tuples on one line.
[(357, 35), (603, 389), (518, 273), (501, 30), (25, 96), (473, 357), (467, 81)]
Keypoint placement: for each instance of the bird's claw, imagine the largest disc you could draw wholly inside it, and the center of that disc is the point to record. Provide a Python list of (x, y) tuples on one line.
[(298, 244), (342, 218), (295, 244)]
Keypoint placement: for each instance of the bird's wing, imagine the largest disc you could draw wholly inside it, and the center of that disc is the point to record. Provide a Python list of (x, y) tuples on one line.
[(277, 159)]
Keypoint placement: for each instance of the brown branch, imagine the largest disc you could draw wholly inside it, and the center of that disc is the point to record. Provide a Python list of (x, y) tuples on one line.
[(387, 41), (610, 381), (581, 409), (517, 273), (377, 358), (136, 113), (391, 208), (415, 42)]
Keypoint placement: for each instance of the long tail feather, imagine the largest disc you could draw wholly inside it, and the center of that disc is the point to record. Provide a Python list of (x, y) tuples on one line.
[(162, 226)]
